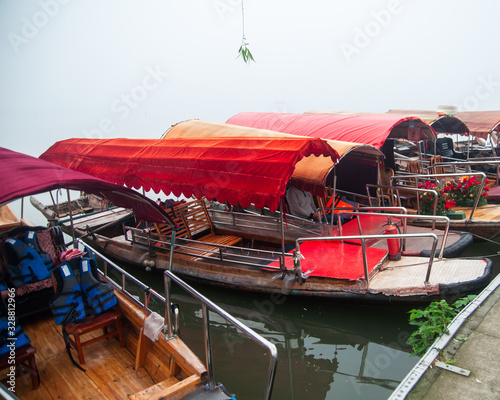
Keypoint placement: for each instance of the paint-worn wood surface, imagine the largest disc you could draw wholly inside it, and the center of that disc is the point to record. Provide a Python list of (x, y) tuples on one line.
[(110, 370)]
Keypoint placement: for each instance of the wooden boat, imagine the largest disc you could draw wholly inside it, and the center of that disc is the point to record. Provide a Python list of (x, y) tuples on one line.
[(381, 128), (483, 222), (232, 170), (108, 368)]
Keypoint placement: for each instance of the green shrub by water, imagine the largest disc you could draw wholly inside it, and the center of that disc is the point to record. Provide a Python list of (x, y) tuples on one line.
[(432, 322)]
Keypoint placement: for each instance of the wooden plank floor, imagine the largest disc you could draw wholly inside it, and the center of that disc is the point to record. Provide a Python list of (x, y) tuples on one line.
[(109, 374), (487, 212)]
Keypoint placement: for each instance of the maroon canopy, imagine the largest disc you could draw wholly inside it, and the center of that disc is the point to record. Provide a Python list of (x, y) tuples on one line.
[(25, 175)]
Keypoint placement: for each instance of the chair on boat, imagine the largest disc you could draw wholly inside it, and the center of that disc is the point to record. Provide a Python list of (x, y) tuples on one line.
[(25, 363), (75, 331), (437, 160), (383, 194), (444, 148)]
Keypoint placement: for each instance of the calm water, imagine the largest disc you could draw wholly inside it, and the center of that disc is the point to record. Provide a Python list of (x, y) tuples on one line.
[(327, 350)]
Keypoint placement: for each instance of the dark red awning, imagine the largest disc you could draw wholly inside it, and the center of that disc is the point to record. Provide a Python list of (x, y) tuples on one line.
[(25, 175), (255, 170)]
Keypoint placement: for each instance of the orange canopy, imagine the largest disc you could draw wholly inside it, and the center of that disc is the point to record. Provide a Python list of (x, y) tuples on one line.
[(255, 170)]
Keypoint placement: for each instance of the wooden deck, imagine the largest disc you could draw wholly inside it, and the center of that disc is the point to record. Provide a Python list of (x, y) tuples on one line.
[(489, 212), (110, 370)]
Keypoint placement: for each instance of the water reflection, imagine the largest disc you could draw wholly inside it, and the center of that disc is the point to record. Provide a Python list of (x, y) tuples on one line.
[(326, 349)]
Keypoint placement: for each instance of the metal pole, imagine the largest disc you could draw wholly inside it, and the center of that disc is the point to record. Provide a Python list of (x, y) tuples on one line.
[(208, 346), (282, 258), (71, 219), (167, 283)]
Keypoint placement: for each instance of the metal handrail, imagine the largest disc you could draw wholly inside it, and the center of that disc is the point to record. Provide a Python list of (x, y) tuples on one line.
[(405, 217), (363, 238), (493, 161), (437, 176), (206, 303), (182, 246), (406, 189)]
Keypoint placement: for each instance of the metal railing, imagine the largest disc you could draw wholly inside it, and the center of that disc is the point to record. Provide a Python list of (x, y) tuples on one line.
[(419, 177), (398, 189), (206, 304), (216, 252), (404, 217), (468, 164), (364, 238)]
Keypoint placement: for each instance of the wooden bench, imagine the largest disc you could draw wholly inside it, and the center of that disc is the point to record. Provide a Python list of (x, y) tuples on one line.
[(25, 363), (103, 321), (193, 220)]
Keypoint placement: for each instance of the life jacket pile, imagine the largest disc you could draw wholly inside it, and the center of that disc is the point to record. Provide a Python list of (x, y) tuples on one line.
[(79, 297), (7, 336), (26, 262), (11, 334)]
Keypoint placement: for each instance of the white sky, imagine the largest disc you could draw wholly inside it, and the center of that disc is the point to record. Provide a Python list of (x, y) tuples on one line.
[(117, 68)]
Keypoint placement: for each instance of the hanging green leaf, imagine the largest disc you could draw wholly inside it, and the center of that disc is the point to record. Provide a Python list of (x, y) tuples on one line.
[(244, 51)]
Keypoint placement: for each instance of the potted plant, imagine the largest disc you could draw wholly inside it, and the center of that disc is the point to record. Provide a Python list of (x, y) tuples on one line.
[(445, 203), (465, 191)]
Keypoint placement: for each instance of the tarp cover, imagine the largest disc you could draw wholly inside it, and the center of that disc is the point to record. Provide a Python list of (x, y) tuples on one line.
[(25, 175), (226, 169), (480, 123), (440, 121), (309, 172), (371, 129)]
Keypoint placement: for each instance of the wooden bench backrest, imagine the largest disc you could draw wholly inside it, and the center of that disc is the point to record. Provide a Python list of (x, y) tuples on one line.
[(166, 230), (195, 216), (192, 218)]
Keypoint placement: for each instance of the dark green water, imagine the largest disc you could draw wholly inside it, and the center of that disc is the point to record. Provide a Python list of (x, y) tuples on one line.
[(327, 350)]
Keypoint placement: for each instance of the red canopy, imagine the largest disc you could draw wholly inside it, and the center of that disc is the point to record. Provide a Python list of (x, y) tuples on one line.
[(480, 123), (371, 129), (25, 175), (255, 170)]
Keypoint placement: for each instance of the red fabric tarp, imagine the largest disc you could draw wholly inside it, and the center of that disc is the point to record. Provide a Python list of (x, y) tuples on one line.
[(480, 123), (255, 170), (371, 129), (25, 175)]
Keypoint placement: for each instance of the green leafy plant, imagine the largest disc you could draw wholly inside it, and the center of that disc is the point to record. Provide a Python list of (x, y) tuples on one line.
[(432, 322), (244, 51)]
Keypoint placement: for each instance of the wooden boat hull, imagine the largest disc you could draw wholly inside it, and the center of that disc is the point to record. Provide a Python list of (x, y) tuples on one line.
[(385, 287)]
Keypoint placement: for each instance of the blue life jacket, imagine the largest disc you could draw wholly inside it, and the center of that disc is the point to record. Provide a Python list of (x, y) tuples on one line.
[(24, 263), (99, 295), (31, 239), (67, 304), (8, 337)]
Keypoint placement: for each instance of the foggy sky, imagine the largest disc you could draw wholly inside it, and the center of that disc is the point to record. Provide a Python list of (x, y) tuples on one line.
[(109, 68)]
